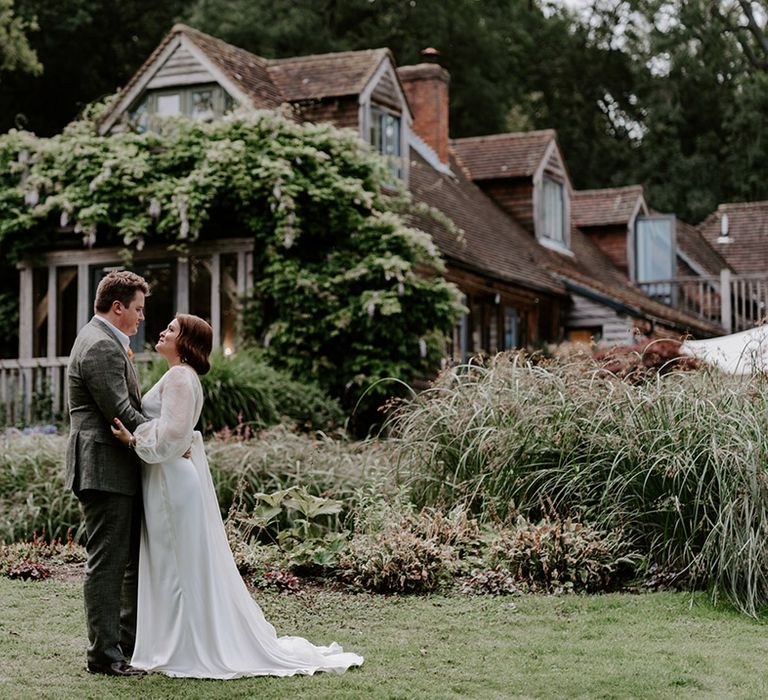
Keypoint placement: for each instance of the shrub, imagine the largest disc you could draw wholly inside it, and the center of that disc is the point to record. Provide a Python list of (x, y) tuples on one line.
[(33, 498), (29, 571), (676, 462), (279, 458), (561, 555), (37, 550), (32, 494), (496, 581), (408, 553), (243, 390), (642, 361)]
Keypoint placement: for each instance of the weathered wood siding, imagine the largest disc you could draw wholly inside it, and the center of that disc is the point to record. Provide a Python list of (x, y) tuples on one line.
[(586, 313), (386, 93), (180, 68)]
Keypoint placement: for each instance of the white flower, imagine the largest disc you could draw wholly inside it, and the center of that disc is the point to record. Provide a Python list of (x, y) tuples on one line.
[(288, 236), (422, 347), (400, 289), (267, 339), (140, 243), (89, 239), (64, 218), (371, 308), (31, 198), (154, 208)]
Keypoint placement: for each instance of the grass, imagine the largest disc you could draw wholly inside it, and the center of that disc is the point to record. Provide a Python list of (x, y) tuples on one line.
[(661, 645), (677, 462)]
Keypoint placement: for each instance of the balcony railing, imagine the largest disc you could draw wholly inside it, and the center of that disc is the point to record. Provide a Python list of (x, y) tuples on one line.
[(35, 390), (734, 302)]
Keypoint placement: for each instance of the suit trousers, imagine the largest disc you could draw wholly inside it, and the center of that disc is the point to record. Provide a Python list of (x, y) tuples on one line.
[(113, 529)]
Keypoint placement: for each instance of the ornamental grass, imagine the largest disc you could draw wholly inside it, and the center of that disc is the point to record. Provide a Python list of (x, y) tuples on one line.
[(676, 463)]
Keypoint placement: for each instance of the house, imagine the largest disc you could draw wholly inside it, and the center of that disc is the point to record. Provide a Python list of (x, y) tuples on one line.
[(601, 244), (513, 300), (738, 233), (535, 260)]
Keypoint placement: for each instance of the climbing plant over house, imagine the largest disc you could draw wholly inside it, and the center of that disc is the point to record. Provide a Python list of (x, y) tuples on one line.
[(345, 291)]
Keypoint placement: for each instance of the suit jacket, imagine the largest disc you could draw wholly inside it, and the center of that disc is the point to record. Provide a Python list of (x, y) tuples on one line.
[(102, 385)]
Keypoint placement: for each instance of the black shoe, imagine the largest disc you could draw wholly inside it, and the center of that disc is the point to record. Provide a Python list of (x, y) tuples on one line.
[(118, 668)]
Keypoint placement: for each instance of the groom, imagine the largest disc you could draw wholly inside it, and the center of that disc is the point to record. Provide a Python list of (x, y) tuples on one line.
[(104, 475)]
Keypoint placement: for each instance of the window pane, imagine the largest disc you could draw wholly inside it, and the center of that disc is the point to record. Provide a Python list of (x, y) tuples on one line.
[(168, 105), (66, 283), (40, 296), (229, 301), (385, 137), (510, 328), (553, 223), (202, 104), (654, 245), (200, 287)]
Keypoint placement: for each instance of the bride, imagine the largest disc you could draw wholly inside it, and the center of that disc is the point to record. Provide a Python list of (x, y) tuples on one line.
[(196, 618)]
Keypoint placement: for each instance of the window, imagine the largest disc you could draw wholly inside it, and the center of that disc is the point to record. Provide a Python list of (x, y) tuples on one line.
[(655, 254), (553, 216), (385, 137), (200, 102), (168, 105), (654, 248), (511, 339)]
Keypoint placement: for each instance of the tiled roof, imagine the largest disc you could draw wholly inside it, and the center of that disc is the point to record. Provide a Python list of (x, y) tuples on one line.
[(503, 155), (326, 75), (270, 83), (242, 67), (605, 207), (747, 248), (695, 247), (591, 268), (492, 244)]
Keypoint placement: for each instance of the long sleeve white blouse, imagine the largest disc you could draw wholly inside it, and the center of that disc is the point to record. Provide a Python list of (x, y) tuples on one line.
[(173, 406)]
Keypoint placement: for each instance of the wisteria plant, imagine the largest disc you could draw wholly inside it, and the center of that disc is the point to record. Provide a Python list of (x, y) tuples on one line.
[(346, 292)]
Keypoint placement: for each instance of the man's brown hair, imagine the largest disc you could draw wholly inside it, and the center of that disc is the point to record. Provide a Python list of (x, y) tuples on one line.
[(119, 285)]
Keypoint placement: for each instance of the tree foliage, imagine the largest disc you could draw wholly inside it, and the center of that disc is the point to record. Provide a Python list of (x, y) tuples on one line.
[(666, 93), (341, 296), (15, 52), (89, 48)]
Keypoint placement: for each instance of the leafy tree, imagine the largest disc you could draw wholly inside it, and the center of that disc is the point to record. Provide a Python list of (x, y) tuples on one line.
[(341, 296), (15, 52), (89, 49), (486, 46)]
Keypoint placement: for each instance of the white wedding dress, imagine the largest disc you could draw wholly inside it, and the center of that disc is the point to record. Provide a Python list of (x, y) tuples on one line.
[(196, 618)]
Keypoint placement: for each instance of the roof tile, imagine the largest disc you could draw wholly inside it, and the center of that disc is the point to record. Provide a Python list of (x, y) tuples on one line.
[(503, 155), (746, 250)]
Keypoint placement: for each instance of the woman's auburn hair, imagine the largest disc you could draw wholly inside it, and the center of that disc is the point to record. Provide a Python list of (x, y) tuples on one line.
[(195, 342)]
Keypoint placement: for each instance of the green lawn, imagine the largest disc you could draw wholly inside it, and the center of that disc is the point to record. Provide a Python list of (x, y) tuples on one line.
[(613, 646)]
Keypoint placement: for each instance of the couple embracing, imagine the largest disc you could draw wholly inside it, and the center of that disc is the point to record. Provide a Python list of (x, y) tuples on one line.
[(162, 591)]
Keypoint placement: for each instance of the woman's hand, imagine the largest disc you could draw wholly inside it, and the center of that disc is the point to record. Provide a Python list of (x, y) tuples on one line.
[(123, 434)]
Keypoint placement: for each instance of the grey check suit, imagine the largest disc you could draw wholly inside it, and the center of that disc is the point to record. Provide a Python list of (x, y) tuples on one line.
[(106, 477)]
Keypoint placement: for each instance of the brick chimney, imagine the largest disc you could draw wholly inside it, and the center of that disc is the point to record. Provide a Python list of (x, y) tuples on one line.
[(426, 88)]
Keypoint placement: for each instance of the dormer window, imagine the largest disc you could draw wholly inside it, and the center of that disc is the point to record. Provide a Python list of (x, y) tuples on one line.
[(200, 102), (655, 249), (553, 211), (385, 137)]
